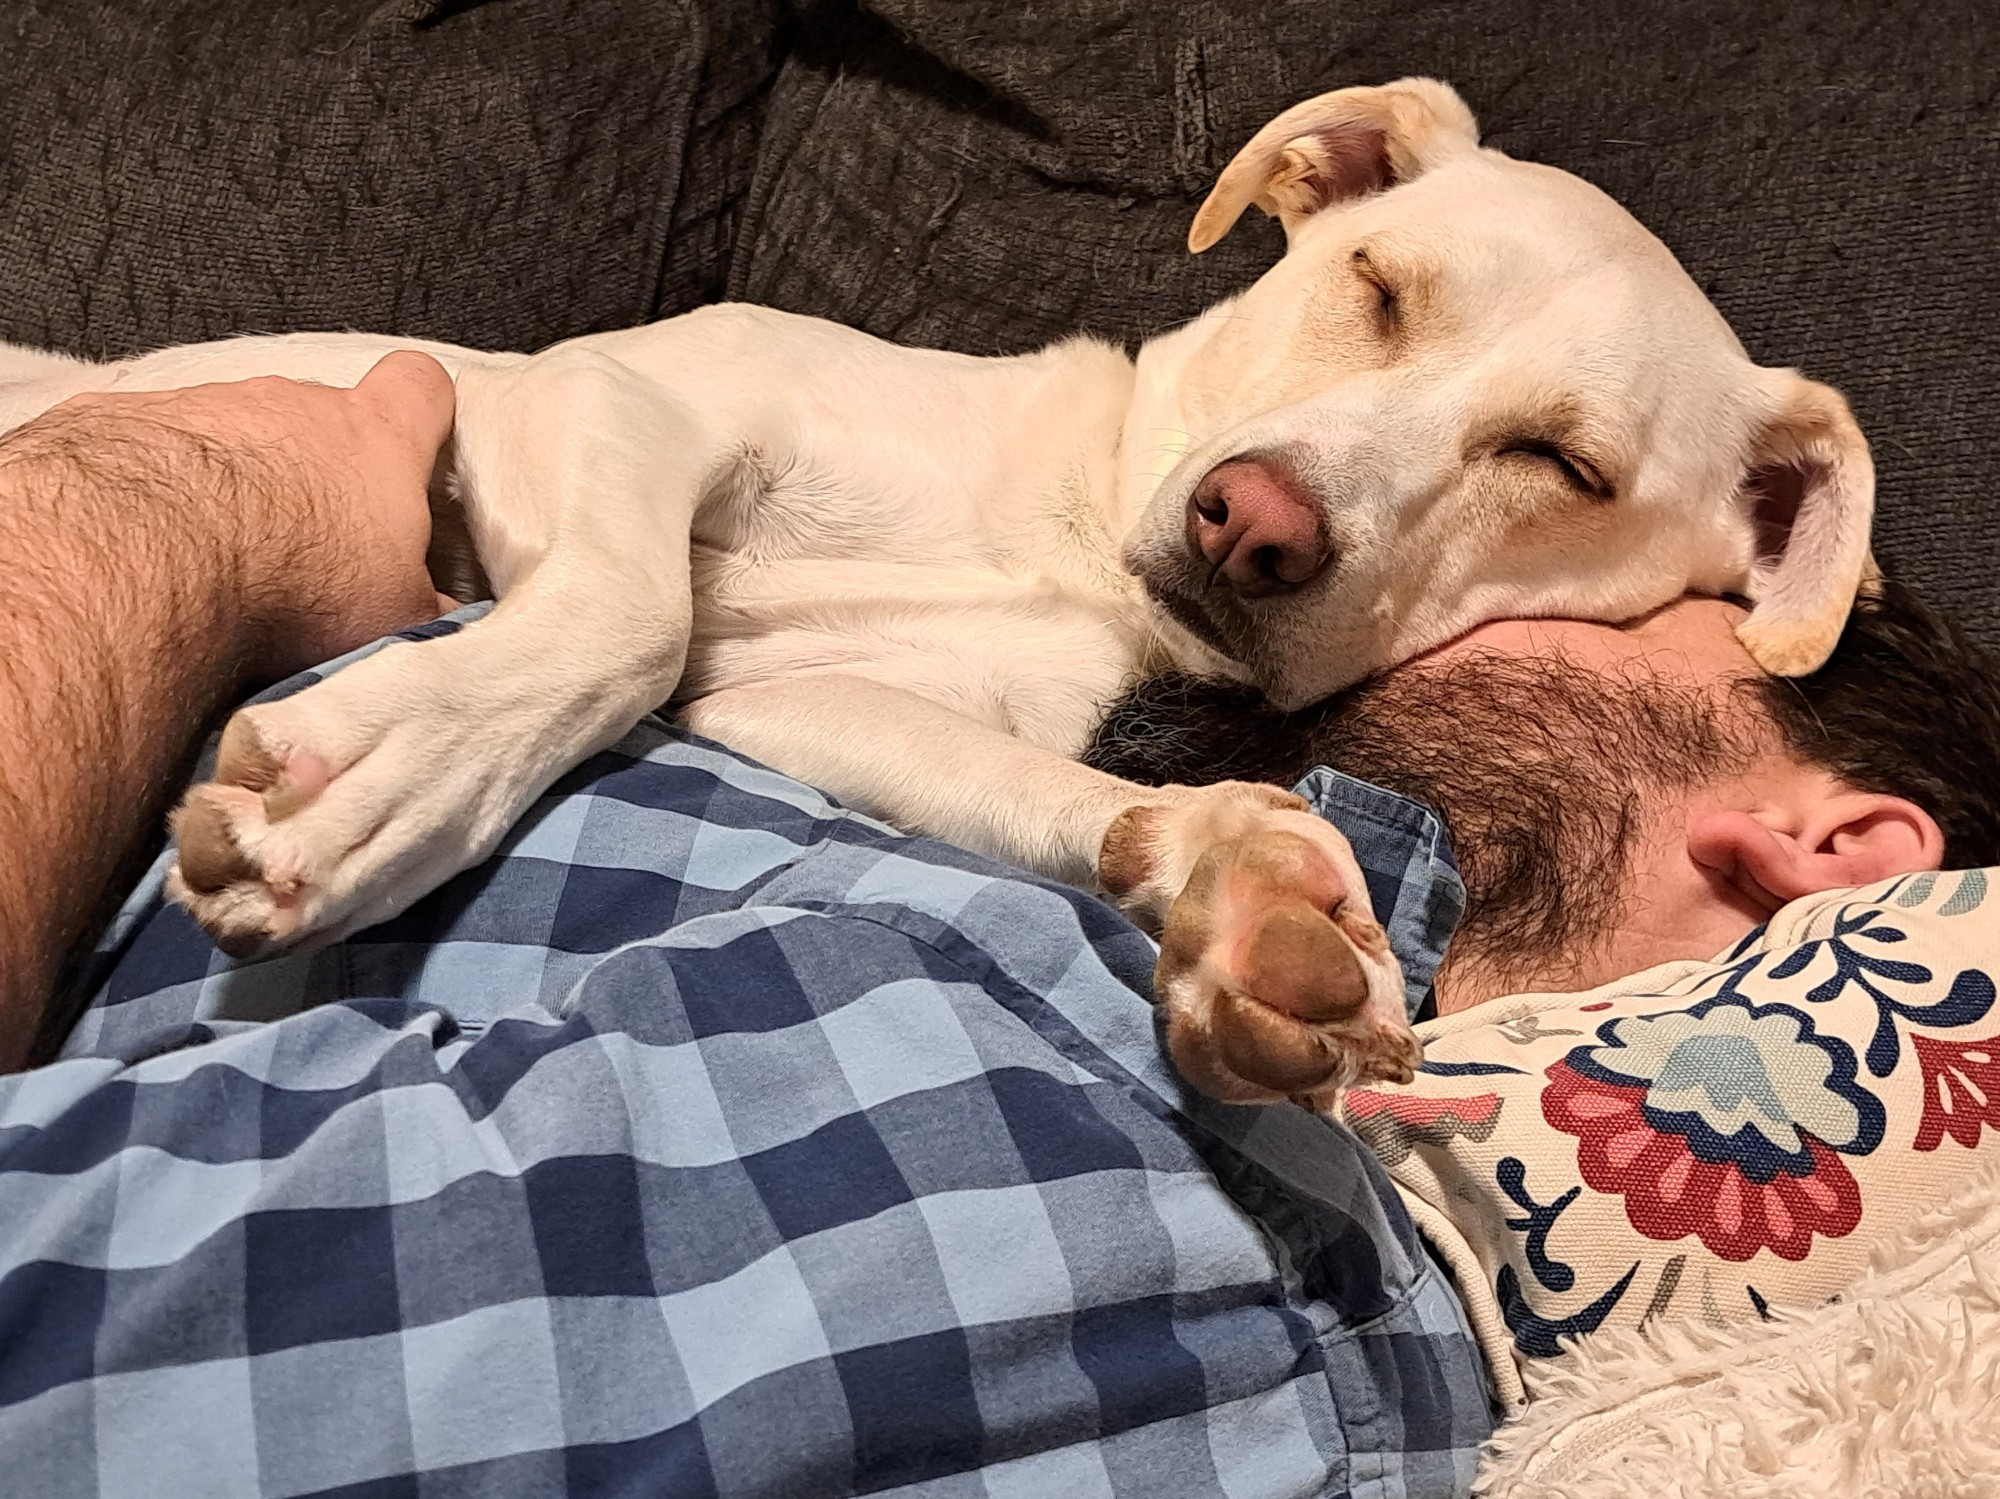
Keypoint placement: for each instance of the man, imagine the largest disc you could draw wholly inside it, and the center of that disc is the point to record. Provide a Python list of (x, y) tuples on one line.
[(1618, 796), (714, 1138)]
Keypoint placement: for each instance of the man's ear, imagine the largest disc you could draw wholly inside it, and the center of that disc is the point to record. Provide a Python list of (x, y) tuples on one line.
[(1341, 145), (1849, 838), (1810, 494)]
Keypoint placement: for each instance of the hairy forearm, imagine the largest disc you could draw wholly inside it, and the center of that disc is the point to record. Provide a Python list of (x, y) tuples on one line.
[(159, 552), (124, 626)]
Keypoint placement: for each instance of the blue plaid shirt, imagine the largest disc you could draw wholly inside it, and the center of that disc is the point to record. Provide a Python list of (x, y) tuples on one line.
[(710, 1140)]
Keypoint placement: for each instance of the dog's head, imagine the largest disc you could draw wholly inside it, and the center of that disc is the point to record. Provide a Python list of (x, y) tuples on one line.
[(1472, 388)]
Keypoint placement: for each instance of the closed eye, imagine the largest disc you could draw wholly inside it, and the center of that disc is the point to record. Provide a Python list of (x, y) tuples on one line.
[(1387, 307), (1577, 473)]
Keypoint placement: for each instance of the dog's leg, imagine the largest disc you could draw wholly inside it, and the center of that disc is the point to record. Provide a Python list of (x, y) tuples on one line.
[(336, 808), (1276, 979)]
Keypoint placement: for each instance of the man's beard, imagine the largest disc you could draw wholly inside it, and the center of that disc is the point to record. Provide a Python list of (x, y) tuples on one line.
[(1543, 770)]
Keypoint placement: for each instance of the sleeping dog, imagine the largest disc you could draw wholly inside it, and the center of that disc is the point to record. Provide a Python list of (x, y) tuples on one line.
[(1471, 388)]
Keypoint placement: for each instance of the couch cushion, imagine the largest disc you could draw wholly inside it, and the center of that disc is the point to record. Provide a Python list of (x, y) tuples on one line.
[(494, 174)]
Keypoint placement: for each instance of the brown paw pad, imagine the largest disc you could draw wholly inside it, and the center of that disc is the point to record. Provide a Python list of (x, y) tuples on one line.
[(1297, 960), (286, 780), (209, 857), (1272, 976)]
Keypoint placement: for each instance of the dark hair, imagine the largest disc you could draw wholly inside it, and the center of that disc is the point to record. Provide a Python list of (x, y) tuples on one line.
[(1909, 706)]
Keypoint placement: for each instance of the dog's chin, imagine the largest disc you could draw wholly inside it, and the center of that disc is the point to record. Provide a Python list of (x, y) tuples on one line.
[(1235, 649), (1218, 647), (1187, 620)]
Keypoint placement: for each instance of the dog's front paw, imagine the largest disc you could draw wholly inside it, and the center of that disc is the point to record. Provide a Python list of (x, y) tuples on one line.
[(283, 845), (252, 882), (1276, 980), (337, 807)]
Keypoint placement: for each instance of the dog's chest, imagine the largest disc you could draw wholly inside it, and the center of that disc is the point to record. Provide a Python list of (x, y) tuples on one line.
[(995, 592), (944, 524), (1031, 634)]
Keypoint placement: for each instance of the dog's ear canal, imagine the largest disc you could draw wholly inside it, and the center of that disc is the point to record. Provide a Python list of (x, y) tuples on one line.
[(1809, 493), (1338, 146)]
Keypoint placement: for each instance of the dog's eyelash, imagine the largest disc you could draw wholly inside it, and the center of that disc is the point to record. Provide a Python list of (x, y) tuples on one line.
[(1388, 306), (1579, 474)]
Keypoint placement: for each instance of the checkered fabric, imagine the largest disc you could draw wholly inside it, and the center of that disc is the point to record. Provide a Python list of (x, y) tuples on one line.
[(1414, 886), (711, 1140)]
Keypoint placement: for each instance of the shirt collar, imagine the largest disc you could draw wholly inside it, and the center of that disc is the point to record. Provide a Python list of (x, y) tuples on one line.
[(1405, 857)]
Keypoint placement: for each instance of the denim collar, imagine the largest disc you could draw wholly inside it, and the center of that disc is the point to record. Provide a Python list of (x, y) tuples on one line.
[(1413, 882)]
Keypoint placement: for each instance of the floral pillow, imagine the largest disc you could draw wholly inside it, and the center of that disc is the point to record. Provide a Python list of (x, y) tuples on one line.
[(1704, 1140)]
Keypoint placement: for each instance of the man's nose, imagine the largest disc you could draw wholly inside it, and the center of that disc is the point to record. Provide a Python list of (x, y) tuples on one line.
[(1257, 526)]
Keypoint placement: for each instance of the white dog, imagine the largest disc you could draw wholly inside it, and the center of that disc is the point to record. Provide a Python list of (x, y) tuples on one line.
[(1472, 388)]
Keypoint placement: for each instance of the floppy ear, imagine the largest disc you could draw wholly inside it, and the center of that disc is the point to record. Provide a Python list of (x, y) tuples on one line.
[(1810, 492), (1340, 145)]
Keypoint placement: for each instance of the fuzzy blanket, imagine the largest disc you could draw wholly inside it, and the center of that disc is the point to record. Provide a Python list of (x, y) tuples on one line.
[(1891, 1392)]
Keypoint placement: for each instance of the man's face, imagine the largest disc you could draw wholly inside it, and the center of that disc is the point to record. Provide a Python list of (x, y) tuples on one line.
[(1616, 797), (1568, 760)]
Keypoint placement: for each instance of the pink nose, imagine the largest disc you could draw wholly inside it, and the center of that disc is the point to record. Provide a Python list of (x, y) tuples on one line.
[(1257, 526)]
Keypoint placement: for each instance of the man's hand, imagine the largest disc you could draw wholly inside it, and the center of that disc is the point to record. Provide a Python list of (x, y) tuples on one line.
[(164, 551)]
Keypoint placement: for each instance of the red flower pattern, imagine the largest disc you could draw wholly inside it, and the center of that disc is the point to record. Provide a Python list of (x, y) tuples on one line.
[(1670, 1193), (1394, 1124), (1961, 1089)]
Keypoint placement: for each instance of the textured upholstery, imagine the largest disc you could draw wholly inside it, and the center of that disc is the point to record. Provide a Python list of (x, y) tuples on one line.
[(502, 176), (987, 174)]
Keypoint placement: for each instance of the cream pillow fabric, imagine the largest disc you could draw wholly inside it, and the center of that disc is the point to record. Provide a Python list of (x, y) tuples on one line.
[(1705, 1140)]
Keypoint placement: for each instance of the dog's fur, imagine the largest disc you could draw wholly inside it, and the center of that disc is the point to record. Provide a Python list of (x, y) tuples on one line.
[(915, 578)]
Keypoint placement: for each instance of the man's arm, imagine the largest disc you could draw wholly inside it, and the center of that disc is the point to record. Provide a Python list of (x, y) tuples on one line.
[(159, 554)]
